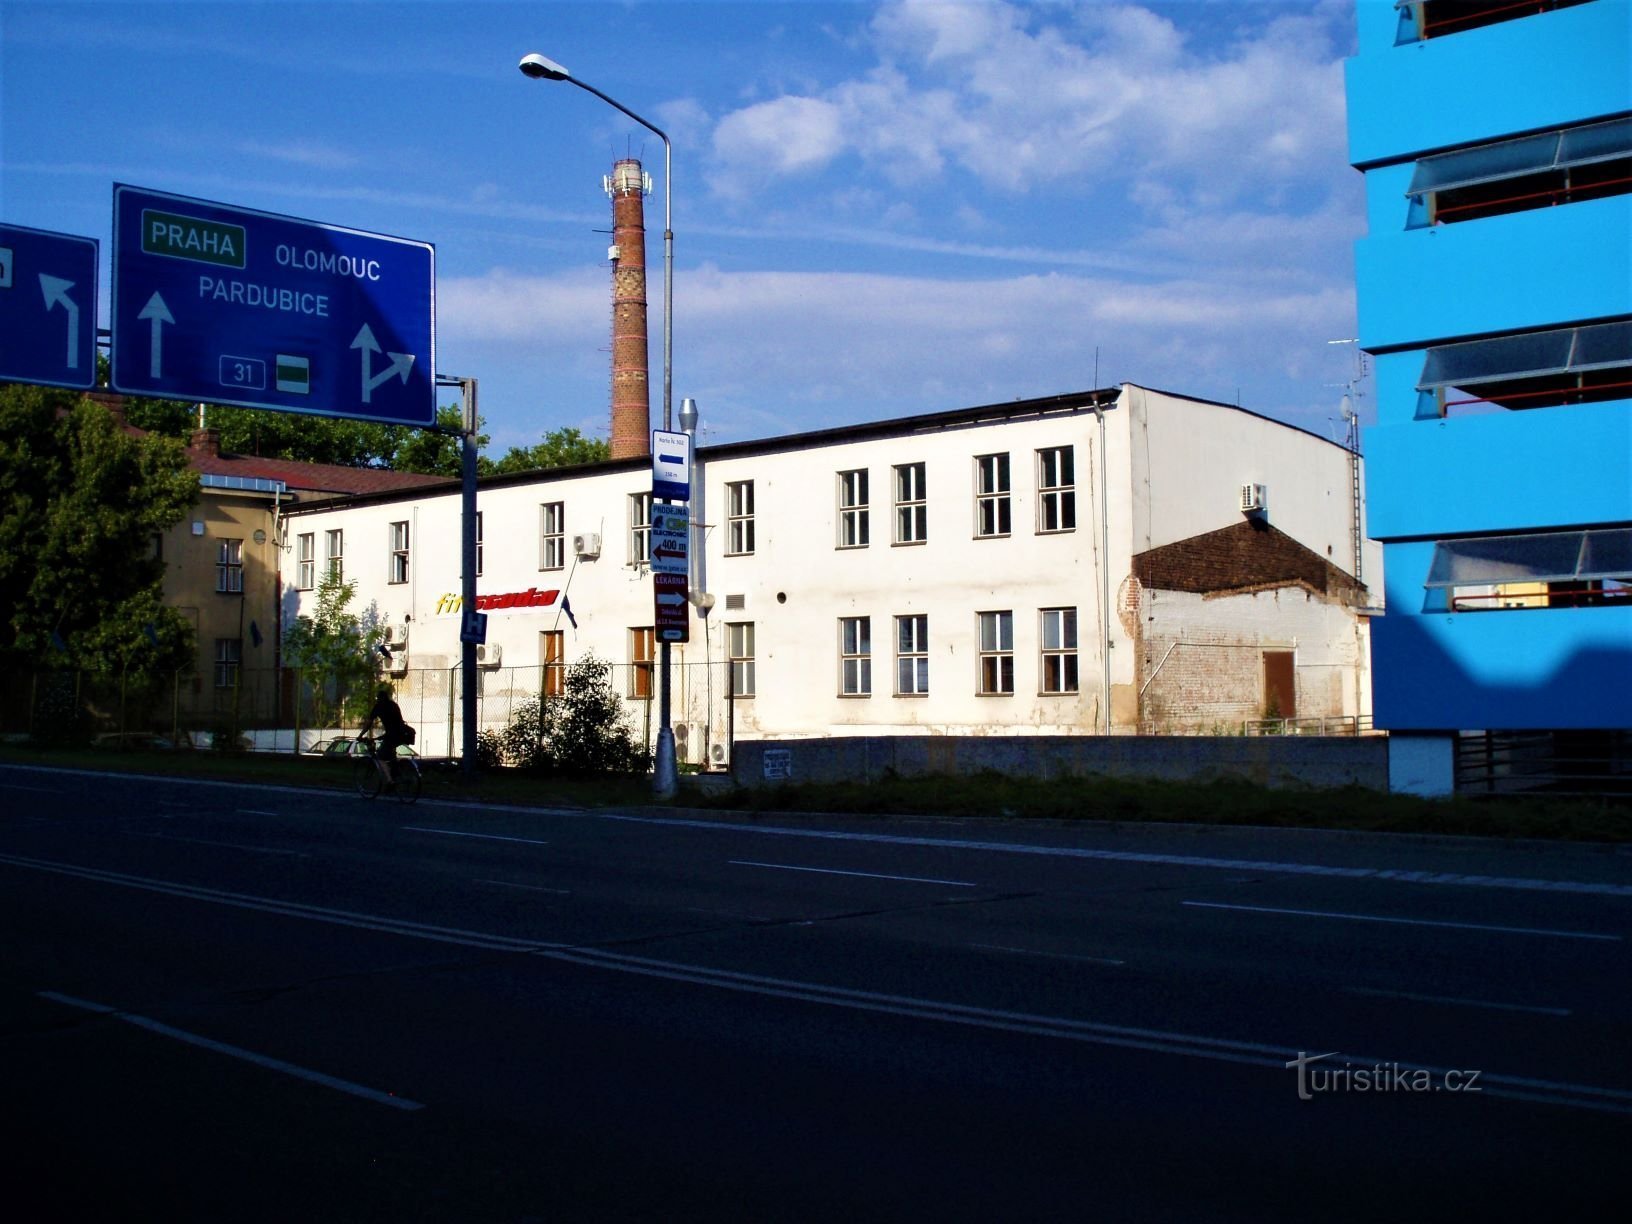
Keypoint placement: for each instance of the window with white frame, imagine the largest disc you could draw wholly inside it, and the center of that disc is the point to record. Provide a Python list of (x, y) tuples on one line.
[(1059, 652), (991, 495), (228, 654), (1056, 489), (912, 656), (229, 567), (739, 518), (853, 509), (306, 561), (911, 506), (739, 641), (552, 536), (640, 528), (855, 656), (399, 553), (334, 546), (479, 543), (996, 653)]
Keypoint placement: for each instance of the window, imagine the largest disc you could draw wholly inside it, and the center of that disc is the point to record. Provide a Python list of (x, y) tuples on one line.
[(1056, 490), (551, 652), (911, 509), (1568, 365), (1542, 569), (992, 495), (1059, 634), (306, 559), (739, 641), (642, 650), (399, 553), (227, 655), (996, 653), (640, 528), (1420, 19), (1508, 176), (334, 542), (552, 536), (855, 656), (739, 518), (229, 567), (479, 543), (853, 509), (911, 656)]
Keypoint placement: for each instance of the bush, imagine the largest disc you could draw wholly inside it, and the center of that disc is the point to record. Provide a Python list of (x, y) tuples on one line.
[(60, 719), (586, 730)]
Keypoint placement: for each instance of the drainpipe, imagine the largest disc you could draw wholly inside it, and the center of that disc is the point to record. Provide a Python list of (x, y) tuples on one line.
[(1104, 582)]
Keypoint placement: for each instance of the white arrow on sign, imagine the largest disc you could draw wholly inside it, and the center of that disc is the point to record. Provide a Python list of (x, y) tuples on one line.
[(671, 601), (159, 314), (401, 363), (55, 290)]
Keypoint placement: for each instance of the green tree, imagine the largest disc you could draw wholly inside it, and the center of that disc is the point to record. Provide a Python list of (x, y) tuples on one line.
[(337, 653), (564, 447), (81, 501), (586, 730), (315, 439)]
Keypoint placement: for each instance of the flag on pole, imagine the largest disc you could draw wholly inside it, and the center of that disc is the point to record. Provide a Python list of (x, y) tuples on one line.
[(566, 606)]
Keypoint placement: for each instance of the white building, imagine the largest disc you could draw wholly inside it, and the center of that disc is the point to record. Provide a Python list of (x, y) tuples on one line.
[(1110, 561)]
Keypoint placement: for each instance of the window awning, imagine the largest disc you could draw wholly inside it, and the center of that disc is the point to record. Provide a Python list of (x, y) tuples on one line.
[(1566, 350), (1527, 155), (1548, 556)]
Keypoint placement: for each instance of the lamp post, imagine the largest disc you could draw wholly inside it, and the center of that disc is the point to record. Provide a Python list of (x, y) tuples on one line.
[(665, 772)]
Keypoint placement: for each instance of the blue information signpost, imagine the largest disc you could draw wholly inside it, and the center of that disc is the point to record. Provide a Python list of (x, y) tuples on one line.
[(226, 305), (47, 308)]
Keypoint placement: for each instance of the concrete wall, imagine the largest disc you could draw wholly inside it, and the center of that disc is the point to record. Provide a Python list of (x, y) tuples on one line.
[(1274, 761)]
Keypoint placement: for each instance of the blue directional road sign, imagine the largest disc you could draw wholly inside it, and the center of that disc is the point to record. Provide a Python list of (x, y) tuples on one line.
[(47, 308), (671, 465), (230, 306)]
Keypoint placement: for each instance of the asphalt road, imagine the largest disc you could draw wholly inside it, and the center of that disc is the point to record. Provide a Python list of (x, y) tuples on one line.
[(236, 1003)]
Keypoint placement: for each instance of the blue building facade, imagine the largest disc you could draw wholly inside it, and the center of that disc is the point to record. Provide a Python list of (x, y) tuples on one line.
[(1495, 296)]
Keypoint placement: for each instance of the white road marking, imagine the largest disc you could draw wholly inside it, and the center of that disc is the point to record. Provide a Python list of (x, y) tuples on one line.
[(1485, 1003), (221, 845), (255, 812), (38, 790), (1260, 866), (1217, 1049), (565, 892), (526, 841), (870, 875), (249, 1056), (1069, 956), (1423, 922)]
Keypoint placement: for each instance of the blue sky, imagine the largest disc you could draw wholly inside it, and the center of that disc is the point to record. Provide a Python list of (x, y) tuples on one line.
[(880, 208)]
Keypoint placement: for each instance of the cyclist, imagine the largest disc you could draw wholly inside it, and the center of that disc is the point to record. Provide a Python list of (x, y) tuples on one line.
[(395, 733)]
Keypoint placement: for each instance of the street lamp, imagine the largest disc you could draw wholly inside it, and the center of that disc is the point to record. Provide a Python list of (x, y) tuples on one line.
[(665, 773)]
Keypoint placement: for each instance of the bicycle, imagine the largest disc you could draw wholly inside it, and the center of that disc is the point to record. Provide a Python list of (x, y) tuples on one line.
[(369, 777)]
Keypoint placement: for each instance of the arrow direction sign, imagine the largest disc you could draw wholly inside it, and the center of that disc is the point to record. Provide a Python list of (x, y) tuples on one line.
[(228, 305), (158, 314), (671, 465), (670, 538), (670, 615), (49, 337)]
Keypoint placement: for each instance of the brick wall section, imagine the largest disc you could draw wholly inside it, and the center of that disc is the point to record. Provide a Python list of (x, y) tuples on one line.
[(1204, 612), (1250, 555)]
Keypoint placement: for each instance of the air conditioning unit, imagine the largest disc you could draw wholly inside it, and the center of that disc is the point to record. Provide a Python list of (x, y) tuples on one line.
[(396, 635), (587, 545), (488, 654), (1252, 498)]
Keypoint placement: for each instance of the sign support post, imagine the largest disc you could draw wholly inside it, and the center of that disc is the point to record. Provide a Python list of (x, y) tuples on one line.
[(467, 577)]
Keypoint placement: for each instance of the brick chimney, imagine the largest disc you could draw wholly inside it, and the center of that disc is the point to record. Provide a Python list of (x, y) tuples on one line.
[(205, 442), (631, 391)]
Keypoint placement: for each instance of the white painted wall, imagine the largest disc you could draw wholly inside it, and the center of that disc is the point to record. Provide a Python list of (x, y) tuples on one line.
[(798, 583)]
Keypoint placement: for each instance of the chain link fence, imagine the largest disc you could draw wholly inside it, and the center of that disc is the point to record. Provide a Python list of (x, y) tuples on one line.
[(285, 710)]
